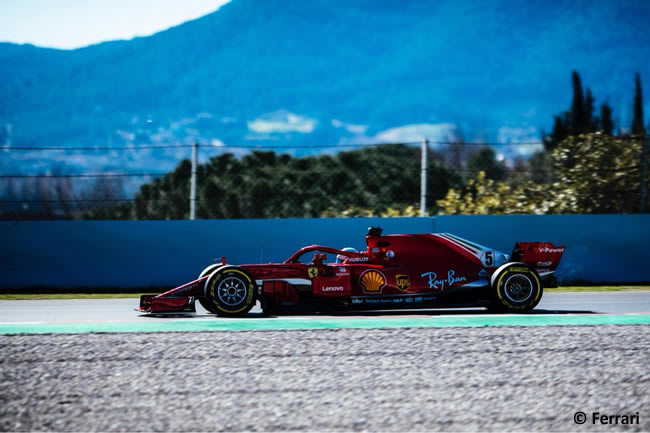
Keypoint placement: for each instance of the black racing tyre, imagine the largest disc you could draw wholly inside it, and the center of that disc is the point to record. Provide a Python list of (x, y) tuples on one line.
[(202, 300), (516, 288), (230, 292)]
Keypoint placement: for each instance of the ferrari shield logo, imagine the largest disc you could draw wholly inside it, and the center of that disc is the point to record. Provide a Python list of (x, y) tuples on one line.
[(313, 272), (402, 281)]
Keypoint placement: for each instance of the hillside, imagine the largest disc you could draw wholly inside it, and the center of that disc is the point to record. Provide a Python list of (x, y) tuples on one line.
[(326, 72)]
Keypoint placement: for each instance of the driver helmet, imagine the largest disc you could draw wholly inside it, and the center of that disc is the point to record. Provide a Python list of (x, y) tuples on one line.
[(341, 257)]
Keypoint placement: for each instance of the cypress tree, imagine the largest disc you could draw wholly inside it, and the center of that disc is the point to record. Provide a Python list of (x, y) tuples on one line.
[(637, 122), (606, 123), (590, 123), (577, 106), (559, 132)]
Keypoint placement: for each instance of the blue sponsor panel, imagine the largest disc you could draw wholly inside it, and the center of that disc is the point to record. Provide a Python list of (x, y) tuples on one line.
[(140, 254), (600, 248)]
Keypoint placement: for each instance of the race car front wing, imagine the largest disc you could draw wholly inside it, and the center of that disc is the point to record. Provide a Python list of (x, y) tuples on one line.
[(178, 300)]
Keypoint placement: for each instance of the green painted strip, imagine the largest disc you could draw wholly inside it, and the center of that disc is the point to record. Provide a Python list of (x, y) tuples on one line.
[(245, 324)]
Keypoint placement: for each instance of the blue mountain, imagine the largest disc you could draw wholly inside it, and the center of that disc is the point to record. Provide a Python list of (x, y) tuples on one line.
[(325, 72)]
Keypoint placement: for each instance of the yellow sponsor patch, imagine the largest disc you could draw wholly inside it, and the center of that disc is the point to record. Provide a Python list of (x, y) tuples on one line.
[(402, 281), (312, 272), (372, 281)]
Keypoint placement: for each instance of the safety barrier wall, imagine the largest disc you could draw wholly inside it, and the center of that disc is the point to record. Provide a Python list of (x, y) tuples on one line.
[(600, 248), (142, 254), (132, 254)]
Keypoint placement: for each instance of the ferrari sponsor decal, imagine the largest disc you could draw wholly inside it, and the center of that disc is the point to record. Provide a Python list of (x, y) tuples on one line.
[(312, 272), (333, 289), (514, 269), (357, 259), (439, 285), (402, 281), (343, 269), (367, 300), (372, 281), (550, 250), (543, 264)]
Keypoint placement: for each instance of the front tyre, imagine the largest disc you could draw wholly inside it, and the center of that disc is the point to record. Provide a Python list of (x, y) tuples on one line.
[(230, 292), (516, 288), (205, 303)]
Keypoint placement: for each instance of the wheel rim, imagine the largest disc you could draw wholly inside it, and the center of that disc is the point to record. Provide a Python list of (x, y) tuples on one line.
[(231, 291), (518, 288)]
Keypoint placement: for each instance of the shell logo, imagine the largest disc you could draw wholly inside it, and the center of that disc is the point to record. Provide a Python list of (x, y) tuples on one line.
[(372, 281)]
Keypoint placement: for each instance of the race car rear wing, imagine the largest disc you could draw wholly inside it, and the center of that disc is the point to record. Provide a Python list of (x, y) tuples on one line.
[(544, 257)]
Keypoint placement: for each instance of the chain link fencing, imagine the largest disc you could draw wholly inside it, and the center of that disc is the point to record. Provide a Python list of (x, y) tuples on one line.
[(276, 182)]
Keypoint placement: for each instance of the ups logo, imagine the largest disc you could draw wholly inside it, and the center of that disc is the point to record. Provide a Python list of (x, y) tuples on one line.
[(402, 281)]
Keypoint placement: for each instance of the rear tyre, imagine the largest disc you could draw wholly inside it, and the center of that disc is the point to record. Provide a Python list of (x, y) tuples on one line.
[(204, 302), (516, 289), (230, 292)]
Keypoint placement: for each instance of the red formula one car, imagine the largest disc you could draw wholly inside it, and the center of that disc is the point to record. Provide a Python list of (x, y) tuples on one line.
[(395, 271)]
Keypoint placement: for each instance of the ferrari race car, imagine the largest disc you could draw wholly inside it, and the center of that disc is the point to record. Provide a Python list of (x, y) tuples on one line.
[(395, 271)]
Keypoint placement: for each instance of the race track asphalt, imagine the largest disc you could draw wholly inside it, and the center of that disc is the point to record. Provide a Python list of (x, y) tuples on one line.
[(494, 378), (112, 310)]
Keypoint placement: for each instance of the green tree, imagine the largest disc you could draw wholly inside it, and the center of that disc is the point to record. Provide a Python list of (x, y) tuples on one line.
[(578, 112), (559, 132), (540, 166), (485, 160), (382, 180), (594, 173), (637, 121), (580, 118), (606, 123), (590, 122)]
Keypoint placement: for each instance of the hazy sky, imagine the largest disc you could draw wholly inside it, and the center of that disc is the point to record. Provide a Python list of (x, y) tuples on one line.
[(77, 23)]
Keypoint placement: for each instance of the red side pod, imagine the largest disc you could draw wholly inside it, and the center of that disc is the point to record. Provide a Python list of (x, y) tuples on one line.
[(543, 256), (280, 291), (335, 286)]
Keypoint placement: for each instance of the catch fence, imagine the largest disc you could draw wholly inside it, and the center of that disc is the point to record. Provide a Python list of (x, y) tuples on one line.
[(272, 181)]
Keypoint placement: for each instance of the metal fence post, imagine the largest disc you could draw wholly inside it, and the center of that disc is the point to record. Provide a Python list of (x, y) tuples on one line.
[(644, 173), (423, 179), (195, 152)]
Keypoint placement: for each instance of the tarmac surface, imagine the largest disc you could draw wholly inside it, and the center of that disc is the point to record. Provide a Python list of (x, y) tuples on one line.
[(494, 378), (121, 309)]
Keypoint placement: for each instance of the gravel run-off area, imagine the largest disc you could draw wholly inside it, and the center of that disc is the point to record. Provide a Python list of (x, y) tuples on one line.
[(409, 379)]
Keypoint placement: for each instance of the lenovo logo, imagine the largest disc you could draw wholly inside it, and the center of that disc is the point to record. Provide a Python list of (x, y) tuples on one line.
[(332, 289)]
